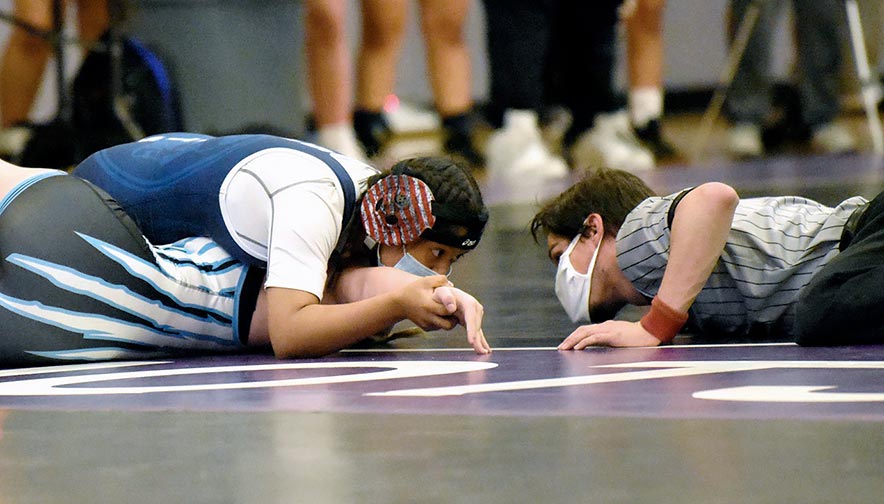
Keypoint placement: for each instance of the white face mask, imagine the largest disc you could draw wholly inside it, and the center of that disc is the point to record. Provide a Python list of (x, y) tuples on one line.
[(573, 287), (410, 265)]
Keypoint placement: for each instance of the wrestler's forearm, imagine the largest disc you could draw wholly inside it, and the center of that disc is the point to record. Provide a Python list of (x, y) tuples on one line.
[(315, 329), (356, 284), (301, 327)]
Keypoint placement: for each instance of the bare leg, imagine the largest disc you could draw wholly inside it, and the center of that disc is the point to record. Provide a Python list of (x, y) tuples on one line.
[(11, 175), (328, 61), (448, 64), (448, 58), (645, 44), (24, 61), (329, 76), (645, 61), (93, 19), (383, 29)]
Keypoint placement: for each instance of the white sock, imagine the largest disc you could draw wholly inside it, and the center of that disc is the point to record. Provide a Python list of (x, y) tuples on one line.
[(645, 104), (340, 137), (520, 118)]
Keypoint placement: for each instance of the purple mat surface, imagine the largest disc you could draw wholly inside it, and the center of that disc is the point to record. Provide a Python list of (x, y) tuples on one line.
[(722, 381)]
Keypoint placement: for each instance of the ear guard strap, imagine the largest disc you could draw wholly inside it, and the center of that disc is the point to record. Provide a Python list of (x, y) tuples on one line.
[(454, 228)]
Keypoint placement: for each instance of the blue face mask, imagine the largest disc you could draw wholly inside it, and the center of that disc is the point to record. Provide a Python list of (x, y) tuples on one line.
[(411, 265)]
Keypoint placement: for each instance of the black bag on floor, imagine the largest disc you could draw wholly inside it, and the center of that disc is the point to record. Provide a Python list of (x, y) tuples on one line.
[(149, 101)]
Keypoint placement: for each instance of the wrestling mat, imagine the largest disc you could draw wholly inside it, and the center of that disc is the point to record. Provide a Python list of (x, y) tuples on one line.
[(779, 380)]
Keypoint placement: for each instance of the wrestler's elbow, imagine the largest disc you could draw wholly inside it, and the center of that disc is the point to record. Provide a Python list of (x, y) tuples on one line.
[(290, 346), (716, 197)]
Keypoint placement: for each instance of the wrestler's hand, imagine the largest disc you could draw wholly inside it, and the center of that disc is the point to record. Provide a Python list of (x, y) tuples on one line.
[(421, 306), (614, 333), (468, 312)]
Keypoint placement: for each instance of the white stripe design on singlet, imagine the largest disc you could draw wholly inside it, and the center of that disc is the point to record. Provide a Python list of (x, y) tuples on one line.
[(196, 274), (775, 246)]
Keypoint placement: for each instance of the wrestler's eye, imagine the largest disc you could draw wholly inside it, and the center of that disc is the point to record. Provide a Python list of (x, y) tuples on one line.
[(554, 255)]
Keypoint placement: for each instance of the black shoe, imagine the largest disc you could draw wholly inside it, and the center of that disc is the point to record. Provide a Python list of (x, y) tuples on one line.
[(651, 137), (460, 145), (458, 142), (372, 131)]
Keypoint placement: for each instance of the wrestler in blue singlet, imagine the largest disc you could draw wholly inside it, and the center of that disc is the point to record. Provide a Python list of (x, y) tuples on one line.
[(169, 184)]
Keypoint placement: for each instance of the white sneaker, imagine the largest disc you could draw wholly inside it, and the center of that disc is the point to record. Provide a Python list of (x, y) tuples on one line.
[(744, 141), (518, 161), (611, 143), (832, 138), (341, 138)]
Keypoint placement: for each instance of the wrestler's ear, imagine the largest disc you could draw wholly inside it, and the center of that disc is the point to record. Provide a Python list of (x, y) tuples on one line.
[(592, 225)]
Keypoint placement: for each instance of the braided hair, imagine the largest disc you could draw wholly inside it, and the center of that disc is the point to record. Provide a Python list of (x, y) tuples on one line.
[(450, 182)]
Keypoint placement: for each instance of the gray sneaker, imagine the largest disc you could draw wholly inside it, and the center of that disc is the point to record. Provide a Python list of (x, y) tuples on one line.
[(744, 141), (611, 143), (832, 138)]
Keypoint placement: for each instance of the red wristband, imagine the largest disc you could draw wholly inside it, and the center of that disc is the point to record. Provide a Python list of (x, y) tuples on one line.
[(663, 321)]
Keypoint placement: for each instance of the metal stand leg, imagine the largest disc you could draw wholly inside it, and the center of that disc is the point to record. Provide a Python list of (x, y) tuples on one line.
[(869, 88), (58, 46), (120, 102)]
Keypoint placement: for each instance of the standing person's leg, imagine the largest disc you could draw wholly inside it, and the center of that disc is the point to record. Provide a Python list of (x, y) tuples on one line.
[(821, 29), (582, 78), (24, 61), (93, 19), (329, 76), (585, 35), (749, 97), (842, 303), (518, 40), (448, 63), (383, 29), (645, 63), (518, 44)]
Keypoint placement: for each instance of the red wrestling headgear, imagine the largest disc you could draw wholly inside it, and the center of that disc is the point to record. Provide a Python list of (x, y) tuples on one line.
[(397, 209)]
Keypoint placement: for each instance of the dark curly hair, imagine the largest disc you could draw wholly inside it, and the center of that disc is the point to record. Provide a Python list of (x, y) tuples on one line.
[(609, 193)]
